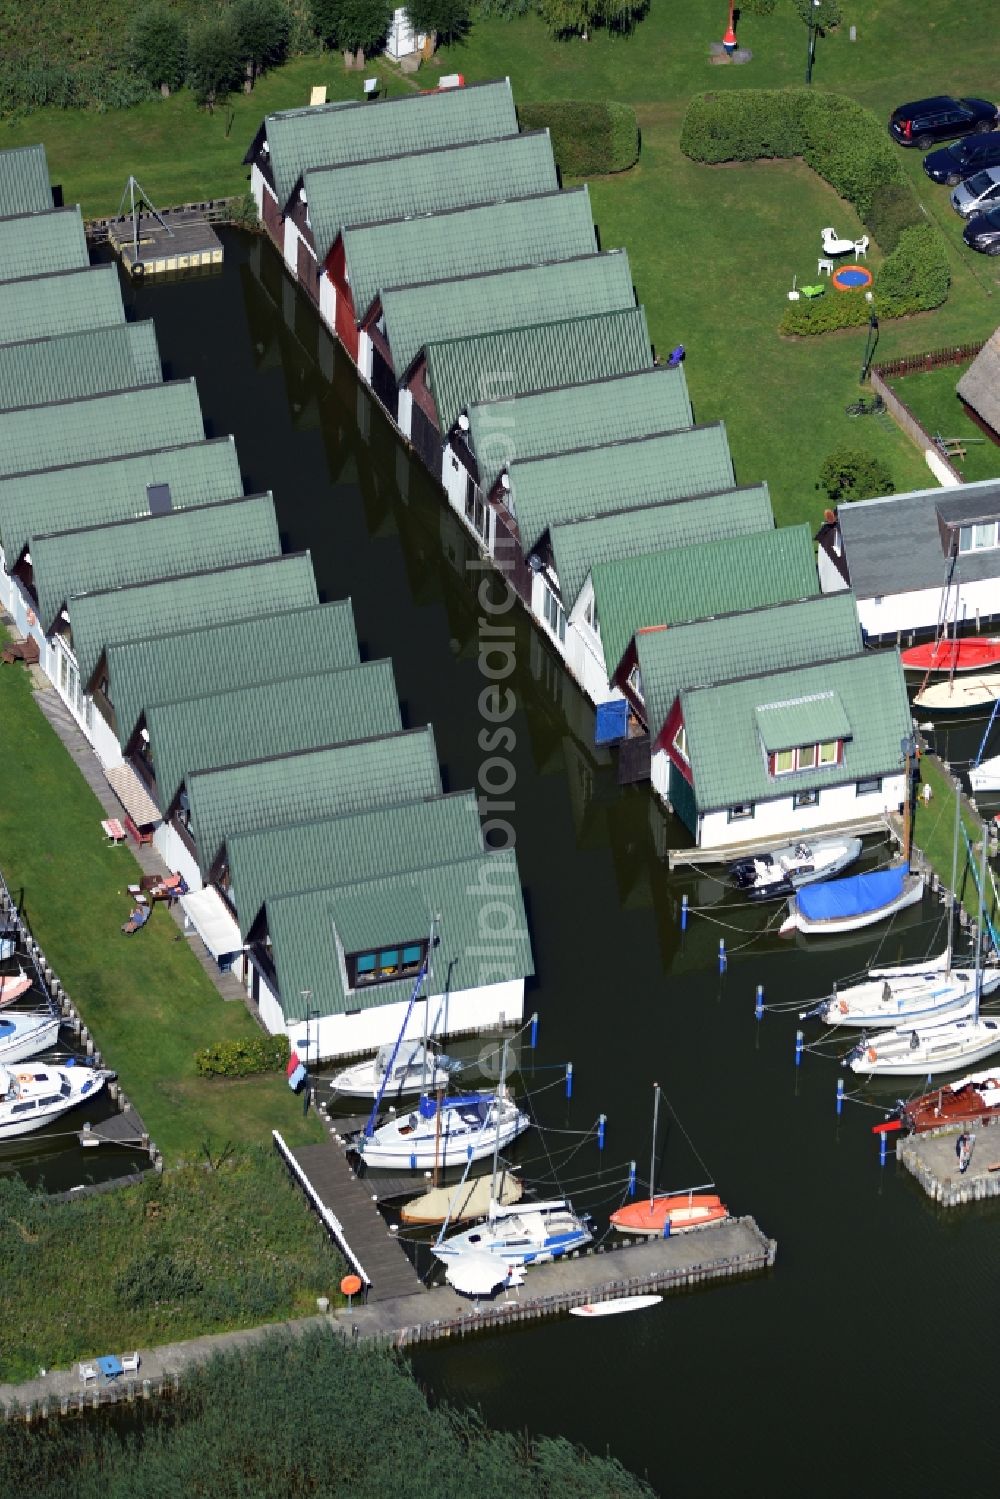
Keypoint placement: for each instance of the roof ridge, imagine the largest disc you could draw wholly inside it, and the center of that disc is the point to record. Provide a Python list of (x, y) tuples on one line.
[(318, 749), (76, 270), (252, 619), (512, 270), (814, 598), (782, 671), (173, 447), (622, 442), (370, 161), (40, 213), (105, 395), (45, 338), (279, 681), (584, 317), (552, 390), (360, 812), (132, 520), (206, 572), (305, 111), (681, 499), (445, 213), (403, 874)]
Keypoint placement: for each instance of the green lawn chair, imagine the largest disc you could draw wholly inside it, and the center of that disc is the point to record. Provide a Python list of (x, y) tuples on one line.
[(813, 291)]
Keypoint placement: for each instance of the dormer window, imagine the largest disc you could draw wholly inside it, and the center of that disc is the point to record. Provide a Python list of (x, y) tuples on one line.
[(806, 757), (980, 537), (384, 965)]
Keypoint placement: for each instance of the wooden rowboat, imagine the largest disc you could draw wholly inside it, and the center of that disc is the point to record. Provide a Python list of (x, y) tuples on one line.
[(683, 1210)]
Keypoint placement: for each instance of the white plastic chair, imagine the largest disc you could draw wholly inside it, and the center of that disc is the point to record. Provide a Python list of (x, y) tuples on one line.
[(87, 1373), (861, 246), (834, 245), (129, 1363)]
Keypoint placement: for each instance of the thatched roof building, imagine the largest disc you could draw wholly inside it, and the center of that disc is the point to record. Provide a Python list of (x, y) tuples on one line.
[(979, 388)]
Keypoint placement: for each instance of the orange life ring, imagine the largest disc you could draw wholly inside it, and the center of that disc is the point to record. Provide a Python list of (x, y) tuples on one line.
[(871, 1054), (843, 1007)]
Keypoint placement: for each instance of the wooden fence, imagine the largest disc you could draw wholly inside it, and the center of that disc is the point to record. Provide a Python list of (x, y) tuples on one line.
[(913, 364), (214, 210), (904, 418)]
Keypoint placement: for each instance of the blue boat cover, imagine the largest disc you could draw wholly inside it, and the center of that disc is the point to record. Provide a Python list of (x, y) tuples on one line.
[(853, 896), (611, 723), (427, 1106)]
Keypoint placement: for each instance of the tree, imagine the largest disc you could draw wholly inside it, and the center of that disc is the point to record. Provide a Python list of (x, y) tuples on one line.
[(263, 28), (850, 474), (824, 15), (352, 25), (215, 65), (581, 16), (157, 47), (442, 20)]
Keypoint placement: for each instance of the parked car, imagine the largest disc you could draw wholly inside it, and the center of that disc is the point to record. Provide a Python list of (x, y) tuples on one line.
[(954, 163), (983, 232), (977, 193), (941, 119)]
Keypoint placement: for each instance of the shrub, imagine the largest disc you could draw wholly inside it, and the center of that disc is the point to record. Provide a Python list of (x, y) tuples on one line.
[(241, 1058), (153, 1278), (850, 474), (824, 314), (744, 125), (588, 138), (893, 208), (915, 276), (849, 147)]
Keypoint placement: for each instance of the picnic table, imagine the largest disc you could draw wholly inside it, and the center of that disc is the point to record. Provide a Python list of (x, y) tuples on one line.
[(110, 1365), (113, 830)]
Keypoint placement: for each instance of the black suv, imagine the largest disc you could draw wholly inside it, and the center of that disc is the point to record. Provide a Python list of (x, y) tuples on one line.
[(942, 119), (954, 163)]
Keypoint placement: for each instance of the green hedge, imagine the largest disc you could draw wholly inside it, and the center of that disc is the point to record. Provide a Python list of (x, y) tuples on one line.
[(589, 138), (243, 1057), (846, 145)]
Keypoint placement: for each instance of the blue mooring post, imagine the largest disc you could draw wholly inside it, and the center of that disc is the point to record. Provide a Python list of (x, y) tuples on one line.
[(602, 1120), (840, 1096), (758, 1008), (534, 1030), (631, 1178), (569, 1079), (798, 1048), (882, 1148), (666, 1227), (722, 954), (684, 913)]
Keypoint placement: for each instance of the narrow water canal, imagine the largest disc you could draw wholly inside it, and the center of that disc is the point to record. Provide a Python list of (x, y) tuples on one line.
[(860, 1360)]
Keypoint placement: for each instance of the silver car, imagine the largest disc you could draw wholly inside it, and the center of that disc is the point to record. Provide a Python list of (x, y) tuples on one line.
[(977, 194)]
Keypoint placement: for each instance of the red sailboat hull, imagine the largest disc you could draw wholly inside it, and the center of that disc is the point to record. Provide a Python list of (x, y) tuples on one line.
[(952, 655), (685, 1211)]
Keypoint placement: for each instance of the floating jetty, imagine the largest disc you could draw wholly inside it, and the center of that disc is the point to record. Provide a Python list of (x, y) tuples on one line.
[(176, 240), (932, 1160), (728, 853)]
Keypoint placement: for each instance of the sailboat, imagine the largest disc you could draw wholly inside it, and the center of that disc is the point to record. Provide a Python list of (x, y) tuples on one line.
[(922, 1051), (671, 1212), (984, 775), (970, 654), (960, 695), (512, 1237), (912, 994), (24, 1034), (395, 1070), (857, 901)]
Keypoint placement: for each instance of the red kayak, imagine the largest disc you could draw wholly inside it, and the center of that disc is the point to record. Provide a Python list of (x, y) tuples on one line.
[(953, 655), (684, 1210)]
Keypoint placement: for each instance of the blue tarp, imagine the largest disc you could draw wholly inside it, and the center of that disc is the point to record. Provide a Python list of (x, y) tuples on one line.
[(852, 896), (611, 723)]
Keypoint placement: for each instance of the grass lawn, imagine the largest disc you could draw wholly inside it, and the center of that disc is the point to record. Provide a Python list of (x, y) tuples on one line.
[(145, 997), (195, 1251), (930, 395)]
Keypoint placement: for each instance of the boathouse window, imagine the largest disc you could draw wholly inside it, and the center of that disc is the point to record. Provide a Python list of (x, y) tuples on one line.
[(553, 612), (805, 799), (681, 744), (741, 813), (829, 754), (869, 787), (590, 615), (476, 512), (384, 964), (805, 757), (635, 682), (981, 537)]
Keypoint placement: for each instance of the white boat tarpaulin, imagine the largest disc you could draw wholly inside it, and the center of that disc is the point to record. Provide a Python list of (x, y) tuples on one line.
[(207, 913)]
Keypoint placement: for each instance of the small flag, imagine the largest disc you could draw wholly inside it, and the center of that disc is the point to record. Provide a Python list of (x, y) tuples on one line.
[(295, 1072)]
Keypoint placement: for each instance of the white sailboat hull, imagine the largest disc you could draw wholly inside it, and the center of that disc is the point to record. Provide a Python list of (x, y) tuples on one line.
[(986, 776), (364, 1079), (411, 1143), (918, 999), (23, 1036), (925, 1053)]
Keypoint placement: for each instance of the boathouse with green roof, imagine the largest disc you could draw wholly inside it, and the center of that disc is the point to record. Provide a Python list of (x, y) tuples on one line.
[(24, 180), (70, 366)]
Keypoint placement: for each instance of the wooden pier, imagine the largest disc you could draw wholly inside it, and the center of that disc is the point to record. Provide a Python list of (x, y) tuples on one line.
[(125, 1128), (177, 240), (720, 1251), (728, 853), (931, 1158)]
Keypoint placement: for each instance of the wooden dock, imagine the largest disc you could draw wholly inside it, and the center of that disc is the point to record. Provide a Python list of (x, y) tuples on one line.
[(348, 1208), (125, 1128), (932, 1160), (720, 1251), (176, 240), (728, 853)]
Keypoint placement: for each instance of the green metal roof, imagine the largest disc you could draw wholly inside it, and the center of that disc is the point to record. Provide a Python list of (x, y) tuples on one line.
[(281, 717), (579, 546), (371, 192), (316, 783), (94, 494), (107, 426), (242, 653), (816, 718), (557, 421), (467, 242), (302, 138), (64, 302), (695, 582), (68, 366), (742, 645), (620, 476), (35, 244), (376, 841), (416, 315), (728, 762), (152, 547), (198, 599), (304, 930), (24, 180), (534, 357)]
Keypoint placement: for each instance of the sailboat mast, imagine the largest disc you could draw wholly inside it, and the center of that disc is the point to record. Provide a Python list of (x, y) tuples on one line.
[(652, 1154), (496, 1141), (427, 1000), (979, 923), (954, 874)]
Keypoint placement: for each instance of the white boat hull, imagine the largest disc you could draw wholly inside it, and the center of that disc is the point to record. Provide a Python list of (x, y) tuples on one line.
[(51, 1092), (23, 1036), (364, 1079), (925, 1053), (960, 694), (411, 1143), (986, 776), (615, 1306), (796, 921), (530, 1235), (916, 1000)]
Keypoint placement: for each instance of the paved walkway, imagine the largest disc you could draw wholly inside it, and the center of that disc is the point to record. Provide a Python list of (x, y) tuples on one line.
[(145, 855)]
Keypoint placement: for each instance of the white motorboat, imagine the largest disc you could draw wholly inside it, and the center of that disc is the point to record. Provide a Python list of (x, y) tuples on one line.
[(464, 1132), (916, 998), (34, 1095), (782, 871), (26, 1033), (415, 1069), (926, 1051), (858, 901), (986, 775), (520, 1235)]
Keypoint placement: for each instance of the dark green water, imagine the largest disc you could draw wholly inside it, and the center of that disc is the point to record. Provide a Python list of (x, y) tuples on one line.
[(859, 1362)]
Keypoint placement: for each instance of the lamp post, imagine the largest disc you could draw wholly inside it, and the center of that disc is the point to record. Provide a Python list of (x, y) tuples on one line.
[(811, 51), (908, 745), (869, 347), (729, 40)]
